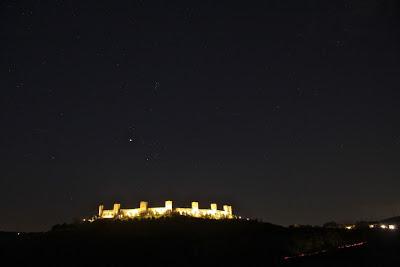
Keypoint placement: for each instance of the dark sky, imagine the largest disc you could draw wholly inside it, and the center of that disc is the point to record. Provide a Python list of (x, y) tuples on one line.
[(288, 110)]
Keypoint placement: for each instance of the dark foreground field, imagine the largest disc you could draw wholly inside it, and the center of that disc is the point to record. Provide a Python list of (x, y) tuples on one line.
[(196, 242)]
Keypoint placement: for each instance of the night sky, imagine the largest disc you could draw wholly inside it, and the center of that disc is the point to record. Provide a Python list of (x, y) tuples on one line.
[(288, 110)]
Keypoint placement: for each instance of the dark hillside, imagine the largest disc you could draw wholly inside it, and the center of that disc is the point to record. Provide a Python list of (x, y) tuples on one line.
[(382, 250), (168, 242)]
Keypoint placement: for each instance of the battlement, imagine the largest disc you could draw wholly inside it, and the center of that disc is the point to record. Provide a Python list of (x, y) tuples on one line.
[(144, 211)]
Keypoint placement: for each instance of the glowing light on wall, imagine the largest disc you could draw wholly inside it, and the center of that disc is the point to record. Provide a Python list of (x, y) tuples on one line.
[(145, 211)]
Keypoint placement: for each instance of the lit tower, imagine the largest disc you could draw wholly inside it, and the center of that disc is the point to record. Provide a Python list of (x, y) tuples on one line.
[(143, 206), (116, 209), (195, 208), (168, 205), (101, 208)]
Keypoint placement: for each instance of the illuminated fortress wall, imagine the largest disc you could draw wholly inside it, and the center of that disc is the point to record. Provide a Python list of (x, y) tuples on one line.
[(143, 210)]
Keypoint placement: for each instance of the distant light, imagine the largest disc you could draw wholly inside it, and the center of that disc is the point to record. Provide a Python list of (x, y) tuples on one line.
[(383, 226), (18, 233), (349, 227), (371, 226), (392, 226)]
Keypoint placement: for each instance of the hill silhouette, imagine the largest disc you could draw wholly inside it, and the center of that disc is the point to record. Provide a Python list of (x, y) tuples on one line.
[(392, 220), (174, 241)]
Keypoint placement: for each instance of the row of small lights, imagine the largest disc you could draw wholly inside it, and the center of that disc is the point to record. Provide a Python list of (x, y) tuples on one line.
[(324, 251), (371, 226), (384, 226), (92, 220)]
